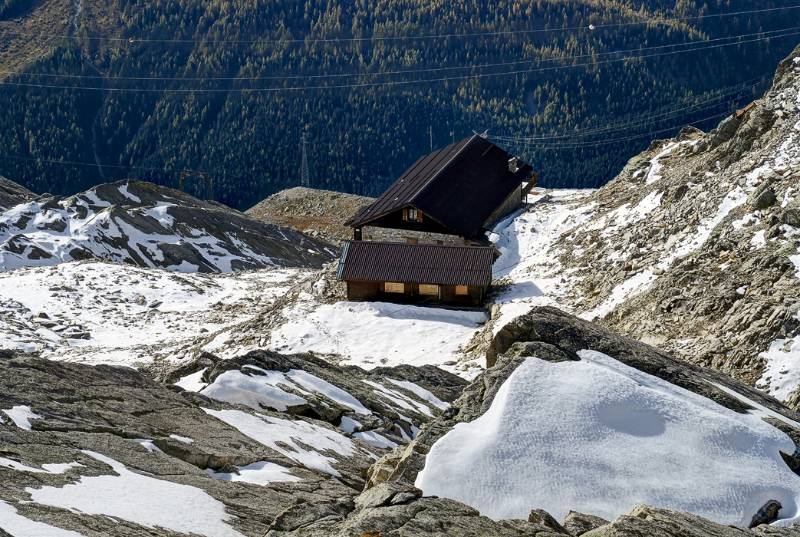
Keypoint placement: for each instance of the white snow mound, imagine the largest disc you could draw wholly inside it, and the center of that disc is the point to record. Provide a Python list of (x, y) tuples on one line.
[(599, 437)]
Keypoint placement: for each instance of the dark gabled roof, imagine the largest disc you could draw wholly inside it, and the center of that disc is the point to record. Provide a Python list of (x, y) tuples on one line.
[(416, 263), (459, 186)]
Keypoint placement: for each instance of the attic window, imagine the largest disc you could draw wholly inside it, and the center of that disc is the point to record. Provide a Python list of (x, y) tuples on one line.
[(412, 215)]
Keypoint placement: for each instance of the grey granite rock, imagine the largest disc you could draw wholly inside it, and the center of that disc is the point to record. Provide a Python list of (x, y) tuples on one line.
[(579, 523), (650, 522)]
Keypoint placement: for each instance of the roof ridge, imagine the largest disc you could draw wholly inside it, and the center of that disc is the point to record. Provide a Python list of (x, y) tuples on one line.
[(418, 245), (442, 168)]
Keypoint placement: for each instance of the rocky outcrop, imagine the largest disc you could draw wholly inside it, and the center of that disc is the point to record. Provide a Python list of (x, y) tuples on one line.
[(646, 521), (390, 505), (150, 226), (694, 246), (397, 510), (318, 213), (383, 407), (12, 194), (553, 335), (63, 424), (115, 422), (578, 523)]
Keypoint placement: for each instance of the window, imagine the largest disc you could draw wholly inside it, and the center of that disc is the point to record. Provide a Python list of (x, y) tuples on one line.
[(428, 289), (462, 290), (411, 240), (394, 287), (412, 215)]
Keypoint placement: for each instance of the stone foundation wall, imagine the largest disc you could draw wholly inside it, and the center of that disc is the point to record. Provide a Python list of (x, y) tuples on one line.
[(370, 233)]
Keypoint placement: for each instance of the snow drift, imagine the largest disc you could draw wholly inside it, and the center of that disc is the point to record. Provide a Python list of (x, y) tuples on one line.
[(600, 437)]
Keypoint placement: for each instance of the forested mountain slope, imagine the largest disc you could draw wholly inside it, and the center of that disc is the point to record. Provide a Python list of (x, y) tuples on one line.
[(228, 87)]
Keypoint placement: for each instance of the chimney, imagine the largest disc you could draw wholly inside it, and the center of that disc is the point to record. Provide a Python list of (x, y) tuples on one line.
[(514, 164)]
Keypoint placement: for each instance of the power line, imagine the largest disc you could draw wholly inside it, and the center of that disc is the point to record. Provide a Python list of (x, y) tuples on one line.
[(764, 34), (603, 142), (391, 83), (94, 164), (643, 119), (499, 33), (500, 138)]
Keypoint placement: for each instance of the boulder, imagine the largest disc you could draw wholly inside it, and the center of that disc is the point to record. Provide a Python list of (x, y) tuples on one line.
[(646, 521), (579, 523), (763, 197), (767, 514), (543, 518), (791, 214)]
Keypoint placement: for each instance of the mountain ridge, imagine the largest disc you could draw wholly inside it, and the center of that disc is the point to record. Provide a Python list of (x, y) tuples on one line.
[(151, 226), (361, 137)]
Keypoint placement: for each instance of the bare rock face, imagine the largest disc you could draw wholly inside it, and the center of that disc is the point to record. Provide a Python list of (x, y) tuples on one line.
[(150, 226), (651, 522), (64, 426), (13, 194), (579, 523), (398, 510)]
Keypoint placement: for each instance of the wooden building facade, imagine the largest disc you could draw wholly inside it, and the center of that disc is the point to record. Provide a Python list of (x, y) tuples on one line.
[(416, 273), (424, 240)]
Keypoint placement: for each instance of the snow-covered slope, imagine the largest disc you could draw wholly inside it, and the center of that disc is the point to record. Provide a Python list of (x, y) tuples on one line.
[(149, 226), (693, 247), (96, 312)]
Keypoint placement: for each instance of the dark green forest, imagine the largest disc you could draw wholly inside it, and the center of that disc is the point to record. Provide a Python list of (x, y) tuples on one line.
[(146, 89)]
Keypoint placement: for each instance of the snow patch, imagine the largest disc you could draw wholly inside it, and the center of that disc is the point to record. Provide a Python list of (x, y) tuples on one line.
[(290, 438), (123, 189), (600, 437), (372, 334), (158, 503), (349, 425), (20, 526), (53, 469), (781, 375), (258, 473), (376, 440), (192, 382), (420, 392), (22, 415), (258, 391), (334, 393)]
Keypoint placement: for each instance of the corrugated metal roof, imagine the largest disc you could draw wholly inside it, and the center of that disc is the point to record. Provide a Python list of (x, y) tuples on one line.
[(459, 186), (416, 263)]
